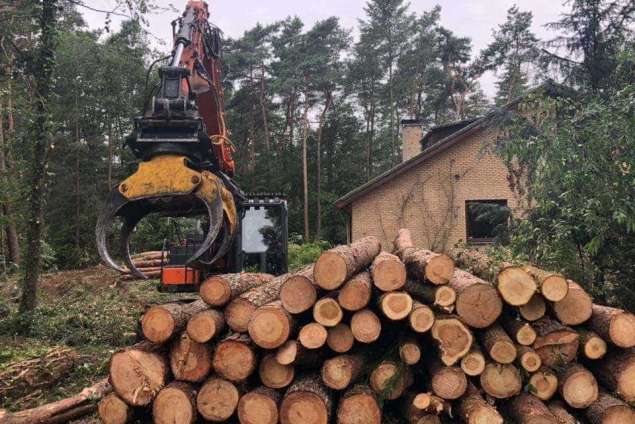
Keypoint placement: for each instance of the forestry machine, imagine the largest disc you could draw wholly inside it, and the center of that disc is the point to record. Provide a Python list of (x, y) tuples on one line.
[(185, 169)]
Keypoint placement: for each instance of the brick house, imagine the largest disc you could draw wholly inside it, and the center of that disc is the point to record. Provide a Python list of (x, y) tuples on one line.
[(435, 190)]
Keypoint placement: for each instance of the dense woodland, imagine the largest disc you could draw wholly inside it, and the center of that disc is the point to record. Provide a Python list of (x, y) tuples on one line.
[(314, 111)]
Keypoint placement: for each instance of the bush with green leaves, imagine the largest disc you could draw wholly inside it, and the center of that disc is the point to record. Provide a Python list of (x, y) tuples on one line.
[(305, 253)]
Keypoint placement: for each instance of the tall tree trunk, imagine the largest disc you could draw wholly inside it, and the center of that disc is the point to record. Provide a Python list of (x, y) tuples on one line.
[(42, 76), (305, 167), (263, 106), (77, 196), (110, 148), (13, 243), (318, 173)]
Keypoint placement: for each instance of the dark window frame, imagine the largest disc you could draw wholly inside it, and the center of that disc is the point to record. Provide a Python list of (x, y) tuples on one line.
[(479, 240)]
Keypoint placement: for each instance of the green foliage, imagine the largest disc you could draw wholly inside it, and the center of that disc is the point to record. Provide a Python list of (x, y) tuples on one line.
[(305, 253)]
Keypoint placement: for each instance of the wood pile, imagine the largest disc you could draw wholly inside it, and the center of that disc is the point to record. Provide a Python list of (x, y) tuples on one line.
[(367, 336), (149, 263)]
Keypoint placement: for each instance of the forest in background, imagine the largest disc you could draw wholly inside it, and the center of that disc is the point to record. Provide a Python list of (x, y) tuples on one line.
[(314, 112)]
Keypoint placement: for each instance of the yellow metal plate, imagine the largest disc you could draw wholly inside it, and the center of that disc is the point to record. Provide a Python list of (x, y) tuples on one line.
[(162, 175)]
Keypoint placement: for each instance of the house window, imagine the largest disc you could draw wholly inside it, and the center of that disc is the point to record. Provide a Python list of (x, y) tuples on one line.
[(485, 220)]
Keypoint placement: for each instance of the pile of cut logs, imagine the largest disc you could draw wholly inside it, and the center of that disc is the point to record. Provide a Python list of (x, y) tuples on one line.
[(364, 336), (149, 263)]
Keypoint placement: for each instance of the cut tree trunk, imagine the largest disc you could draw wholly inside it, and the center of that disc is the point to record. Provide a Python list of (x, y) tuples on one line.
[(577, 385), (473, 409), (189, 360), (340, 338), (341, 371), (313, 335), (610, 410), (390, 379), (441, 296), (259, 406), (592, 346), (273, 374), (205, 325), (501, 381), (528, 359), (521, 331), (446, 382), (337, 265), (555, 343), (113, 410), (388, 272), (359, 405), (395, 305), (356, 292), (234, 358), (553, 286), (409, 351), (477, 302), (422, 264), (535, 309), (614, 325), (327, 312), (138, 373), (575, 308), (616, 372), (417, 407), (473, 363), (559, 410), (161, 322), (543, 383), (218, 290), (306, 401), (498, 345), (175, 404), (293, 353), (366, 326), (515, 285), (421, 318), (270, 325), (477, 262), (528, 409), (453, 338), (239, 311), (299, 292), (217, 400)]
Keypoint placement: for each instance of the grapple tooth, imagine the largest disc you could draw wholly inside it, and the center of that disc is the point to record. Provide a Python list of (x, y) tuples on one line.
[(115, 202), (215, 216), (224, 246), (126, 232)]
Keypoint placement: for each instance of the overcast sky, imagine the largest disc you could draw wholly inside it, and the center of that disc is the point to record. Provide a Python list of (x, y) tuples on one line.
[(471, 18)]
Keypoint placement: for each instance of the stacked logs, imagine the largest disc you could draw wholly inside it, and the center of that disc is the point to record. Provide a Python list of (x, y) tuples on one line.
[(367, 336), (149, 263)]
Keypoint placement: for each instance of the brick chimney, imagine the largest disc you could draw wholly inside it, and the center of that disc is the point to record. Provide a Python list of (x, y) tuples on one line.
[(411, 135)]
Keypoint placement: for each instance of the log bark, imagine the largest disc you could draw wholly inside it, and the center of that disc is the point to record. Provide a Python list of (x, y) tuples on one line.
[(273, 374), (592, 346), (299, 292), (306, 401), (578, 387), (339, 264), (205, 325), (535, 309), (453, 338), (575, 308), (614, 325), (388, 272), (515, 285), (501, 381), (175, 404), (389, 379), (423, 264), (365, 326), (559, 410), (138, 373), (616, 372), (189, 360), (395, 305), (498, 345), (327, 312), (543, 383), (609, 410), (552, 286), (446, 382), (473, 363), (477, 262), (341, 371), (421, 318), (477, 302), (239, 311), (270, 325), (340, 338), (234, 358), (356, 292), (555, 343), (313, 335), (528, 359), (217, 399), (218, 290), (528, 409), (259, 406), (473, 409), (359, 405), (162, 322), (521, 331), (113, 410)]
